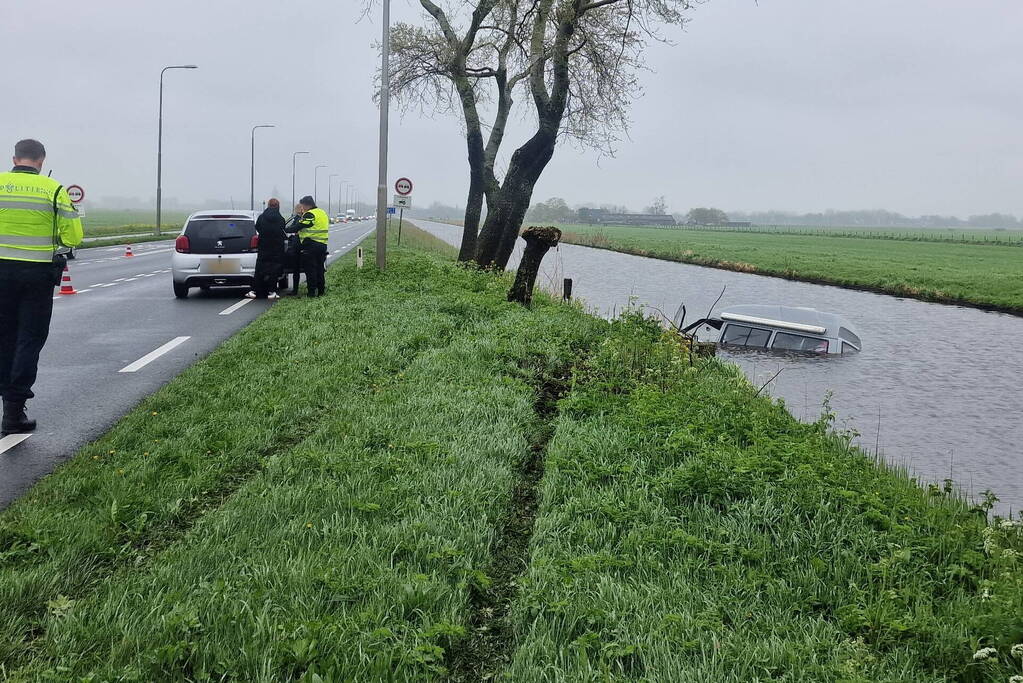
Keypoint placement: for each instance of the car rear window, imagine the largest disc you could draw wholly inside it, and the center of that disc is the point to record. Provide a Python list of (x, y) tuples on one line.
[(220, 228)]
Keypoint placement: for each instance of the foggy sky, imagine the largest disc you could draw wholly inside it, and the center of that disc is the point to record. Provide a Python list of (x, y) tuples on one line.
[(912, 106)]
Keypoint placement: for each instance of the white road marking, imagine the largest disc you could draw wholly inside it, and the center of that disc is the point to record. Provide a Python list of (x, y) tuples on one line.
[(153, 355), (83, 291), (120, 279), (11, 440), (234, 307), (131, 279)]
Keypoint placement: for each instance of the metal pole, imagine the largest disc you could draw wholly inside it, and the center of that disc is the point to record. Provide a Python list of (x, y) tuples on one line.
[(385, 82), (330, 189), (159, 148), (293, 157), (401, 214), (252, 167), (316, 179)]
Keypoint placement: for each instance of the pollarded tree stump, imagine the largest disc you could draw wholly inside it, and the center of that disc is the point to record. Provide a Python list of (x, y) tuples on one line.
[(538, 241)]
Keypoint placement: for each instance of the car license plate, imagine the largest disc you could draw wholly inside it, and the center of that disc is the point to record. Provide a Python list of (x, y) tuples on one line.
[(223, 266)]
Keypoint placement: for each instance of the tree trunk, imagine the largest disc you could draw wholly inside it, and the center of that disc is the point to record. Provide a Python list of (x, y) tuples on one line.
[(538, 242), (500, 230), (474, 202)]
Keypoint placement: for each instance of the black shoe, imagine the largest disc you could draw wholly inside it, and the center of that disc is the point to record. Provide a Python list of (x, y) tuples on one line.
[(15, 421), (321, 292)]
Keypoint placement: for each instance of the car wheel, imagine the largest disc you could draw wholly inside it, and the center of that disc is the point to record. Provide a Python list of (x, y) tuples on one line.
[(180, 291)]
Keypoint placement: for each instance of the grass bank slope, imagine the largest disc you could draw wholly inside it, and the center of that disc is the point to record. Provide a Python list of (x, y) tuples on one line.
[(347, 490), (318, 497), (988, 276), (693, 531)]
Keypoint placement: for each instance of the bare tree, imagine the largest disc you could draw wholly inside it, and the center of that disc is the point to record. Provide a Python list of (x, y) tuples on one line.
[(576, 60)]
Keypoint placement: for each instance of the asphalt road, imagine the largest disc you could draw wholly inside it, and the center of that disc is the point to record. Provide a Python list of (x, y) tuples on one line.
[(121, 338)]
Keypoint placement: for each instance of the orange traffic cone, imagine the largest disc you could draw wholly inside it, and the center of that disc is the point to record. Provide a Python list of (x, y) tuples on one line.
[(127, 252), (65, 282)]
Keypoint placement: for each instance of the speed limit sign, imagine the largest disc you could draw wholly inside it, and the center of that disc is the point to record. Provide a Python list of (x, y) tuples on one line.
[(75, 193), (403, 187)]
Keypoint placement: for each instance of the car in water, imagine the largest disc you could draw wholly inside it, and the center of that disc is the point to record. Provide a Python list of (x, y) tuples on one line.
[(215, 249), (781, 328)]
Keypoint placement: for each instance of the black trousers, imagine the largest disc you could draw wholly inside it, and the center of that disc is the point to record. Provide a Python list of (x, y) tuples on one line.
[(266, 279), (26, 303), (314, 258)]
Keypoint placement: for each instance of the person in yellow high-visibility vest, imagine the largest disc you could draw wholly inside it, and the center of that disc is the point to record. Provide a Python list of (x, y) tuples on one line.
[(314, 231), (36, 219)]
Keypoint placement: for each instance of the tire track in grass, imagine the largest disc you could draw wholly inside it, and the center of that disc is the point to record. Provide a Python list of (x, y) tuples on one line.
[(489, 648)]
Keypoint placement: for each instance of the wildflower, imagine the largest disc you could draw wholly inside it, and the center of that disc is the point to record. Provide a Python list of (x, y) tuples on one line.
[(984, 654), (155, 413), (1017, 650), (309, 525), (986, 595)]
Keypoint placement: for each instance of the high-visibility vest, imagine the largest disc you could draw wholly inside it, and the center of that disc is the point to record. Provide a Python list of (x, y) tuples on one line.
[(27, 217), (315, 225)]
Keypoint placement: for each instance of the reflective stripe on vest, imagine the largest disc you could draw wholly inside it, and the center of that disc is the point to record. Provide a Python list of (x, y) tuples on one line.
[(32, 255)]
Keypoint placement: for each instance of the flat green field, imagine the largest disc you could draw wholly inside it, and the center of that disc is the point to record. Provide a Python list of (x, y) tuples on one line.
[(102, 222), (412, 479), (986, 275)]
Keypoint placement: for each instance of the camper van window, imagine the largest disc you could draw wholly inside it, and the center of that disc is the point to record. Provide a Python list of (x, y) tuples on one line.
[(797, 342), (741, 335), (848, 348)]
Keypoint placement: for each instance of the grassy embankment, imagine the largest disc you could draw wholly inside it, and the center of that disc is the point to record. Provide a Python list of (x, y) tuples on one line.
[(346, 490), (987, 276)]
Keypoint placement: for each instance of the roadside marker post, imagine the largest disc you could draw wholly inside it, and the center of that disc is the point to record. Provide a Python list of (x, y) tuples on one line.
[(358, 258)]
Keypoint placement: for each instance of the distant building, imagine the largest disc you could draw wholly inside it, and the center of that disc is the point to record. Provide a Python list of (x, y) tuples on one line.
[(604, 217)]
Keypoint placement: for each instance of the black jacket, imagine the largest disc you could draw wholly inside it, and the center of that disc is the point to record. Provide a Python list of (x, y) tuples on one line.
[(270, 227)]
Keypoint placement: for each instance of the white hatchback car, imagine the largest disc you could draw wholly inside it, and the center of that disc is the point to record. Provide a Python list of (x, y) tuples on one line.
[(215, 249)]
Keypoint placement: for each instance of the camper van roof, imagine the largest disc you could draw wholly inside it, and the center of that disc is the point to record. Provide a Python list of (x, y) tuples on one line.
[(789, 317)]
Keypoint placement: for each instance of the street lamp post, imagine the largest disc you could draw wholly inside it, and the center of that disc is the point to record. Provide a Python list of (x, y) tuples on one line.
[(316, 179), (385, 80), (159, 146), (293, 157), (330, 189), (252, 166)]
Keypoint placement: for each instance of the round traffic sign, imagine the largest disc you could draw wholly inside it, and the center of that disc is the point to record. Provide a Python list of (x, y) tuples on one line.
[(75, 193), (403, 187)]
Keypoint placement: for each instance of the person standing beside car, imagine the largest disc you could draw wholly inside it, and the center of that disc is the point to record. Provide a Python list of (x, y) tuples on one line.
[(270, 252), (36, 219), (314, 230)]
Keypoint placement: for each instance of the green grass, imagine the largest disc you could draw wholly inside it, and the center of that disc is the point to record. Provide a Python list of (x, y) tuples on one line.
[(109, 222), (983, 275), (692, 531), (320, 494), (993, 236), (345, 490)]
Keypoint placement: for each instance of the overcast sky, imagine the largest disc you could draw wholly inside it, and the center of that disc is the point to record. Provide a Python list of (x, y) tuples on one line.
[(804, 105)]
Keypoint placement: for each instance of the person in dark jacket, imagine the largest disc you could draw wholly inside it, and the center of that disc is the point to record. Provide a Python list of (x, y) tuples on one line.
[(270, 255)]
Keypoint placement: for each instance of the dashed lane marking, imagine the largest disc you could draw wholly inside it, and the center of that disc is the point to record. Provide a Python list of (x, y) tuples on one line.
[(11, 440), (234, 307), (153, 355)]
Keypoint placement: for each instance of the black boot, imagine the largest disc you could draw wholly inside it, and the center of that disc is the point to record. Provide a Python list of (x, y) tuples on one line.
[(15, 421)]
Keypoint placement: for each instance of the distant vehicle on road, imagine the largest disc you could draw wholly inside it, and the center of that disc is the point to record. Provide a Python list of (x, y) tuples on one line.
[(215, 249), (782, 328)]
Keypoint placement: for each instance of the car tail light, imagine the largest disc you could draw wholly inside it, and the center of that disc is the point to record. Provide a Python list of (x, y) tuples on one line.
[(254, 242), (181, 245)]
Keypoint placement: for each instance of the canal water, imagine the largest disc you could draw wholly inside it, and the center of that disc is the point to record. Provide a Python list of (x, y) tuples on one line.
[(936, 389)]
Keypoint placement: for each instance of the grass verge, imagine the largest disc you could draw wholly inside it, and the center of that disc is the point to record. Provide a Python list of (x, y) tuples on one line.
[(693, 531), (984, 276), (318, 496)]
